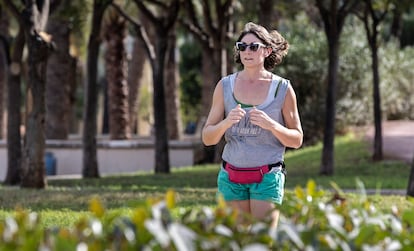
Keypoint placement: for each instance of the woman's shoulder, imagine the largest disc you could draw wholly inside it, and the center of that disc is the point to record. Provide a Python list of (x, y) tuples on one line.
[(229, 78), (280, 79)]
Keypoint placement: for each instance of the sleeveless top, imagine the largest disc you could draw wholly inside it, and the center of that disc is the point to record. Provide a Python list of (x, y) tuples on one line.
[(248, 145)]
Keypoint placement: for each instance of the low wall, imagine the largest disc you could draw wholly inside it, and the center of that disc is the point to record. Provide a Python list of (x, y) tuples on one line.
[(114, 156)]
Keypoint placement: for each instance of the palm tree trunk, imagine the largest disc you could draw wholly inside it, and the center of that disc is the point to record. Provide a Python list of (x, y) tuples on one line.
[(171, 92), (135, 71), (58, 85), (116, 79)]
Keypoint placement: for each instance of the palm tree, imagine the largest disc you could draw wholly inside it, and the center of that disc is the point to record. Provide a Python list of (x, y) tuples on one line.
[(135, 72), (60, 69), (116, 75), (171, 89)]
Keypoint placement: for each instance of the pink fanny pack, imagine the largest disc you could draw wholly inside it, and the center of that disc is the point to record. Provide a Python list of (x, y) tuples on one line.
[(246, 175)]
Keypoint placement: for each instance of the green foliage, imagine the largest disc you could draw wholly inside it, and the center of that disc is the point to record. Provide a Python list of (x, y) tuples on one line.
[(306, 67), (313, 220), (397, 76), (310, 219), (190, 86)]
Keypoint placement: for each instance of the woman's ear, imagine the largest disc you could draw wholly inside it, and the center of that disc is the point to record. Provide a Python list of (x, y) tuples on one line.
[(268, 52)]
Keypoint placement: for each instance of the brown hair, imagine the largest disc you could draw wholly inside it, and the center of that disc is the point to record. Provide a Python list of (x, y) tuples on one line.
[(272, 39)]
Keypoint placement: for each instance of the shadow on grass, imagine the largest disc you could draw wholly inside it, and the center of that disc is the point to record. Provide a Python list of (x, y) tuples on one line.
[(200, 176), (196, 186)]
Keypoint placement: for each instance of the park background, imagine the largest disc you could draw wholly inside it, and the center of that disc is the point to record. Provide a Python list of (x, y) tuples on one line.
[(144, 71)]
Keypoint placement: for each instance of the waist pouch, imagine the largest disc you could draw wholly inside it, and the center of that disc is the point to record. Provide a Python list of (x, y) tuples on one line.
[(248, 175)]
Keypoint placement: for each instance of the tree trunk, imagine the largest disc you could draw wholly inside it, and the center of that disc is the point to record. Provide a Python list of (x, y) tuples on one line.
[(90, 162), (327, 165), (378, 154), (35, 17), (396, 23), (163, 26), (14, 146), (116, 78), (162, 160), (58, 87), (74, 77), (266, 13), (4, 61), (213, 40), (33, 168), (135, 71), (333, 14), (410, 188), (171, 91), (212, 73), (3, 79)]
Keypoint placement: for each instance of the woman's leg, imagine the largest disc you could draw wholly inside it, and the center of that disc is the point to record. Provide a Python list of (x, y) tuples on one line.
[(242, 205), (261, 209)]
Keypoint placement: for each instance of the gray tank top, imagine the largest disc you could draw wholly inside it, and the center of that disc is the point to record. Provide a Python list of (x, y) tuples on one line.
[(248, 145)]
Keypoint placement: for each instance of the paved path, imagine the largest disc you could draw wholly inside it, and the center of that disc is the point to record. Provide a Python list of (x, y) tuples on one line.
[(397, 143), (397, 140)]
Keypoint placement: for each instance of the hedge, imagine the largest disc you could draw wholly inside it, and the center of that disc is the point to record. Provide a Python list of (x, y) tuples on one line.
[(311, 219)]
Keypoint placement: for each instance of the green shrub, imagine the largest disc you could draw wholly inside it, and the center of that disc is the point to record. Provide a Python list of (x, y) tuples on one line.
[(311, 219), (397, 85), (306, 66)]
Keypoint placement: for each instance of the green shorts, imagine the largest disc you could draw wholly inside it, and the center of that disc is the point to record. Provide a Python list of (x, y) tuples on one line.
[(270, 189)]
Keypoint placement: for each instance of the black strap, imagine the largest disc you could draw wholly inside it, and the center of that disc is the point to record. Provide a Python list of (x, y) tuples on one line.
[(280, 163)]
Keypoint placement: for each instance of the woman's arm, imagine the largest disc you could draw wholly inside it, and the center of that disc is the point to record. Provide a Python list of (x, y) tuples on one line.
[(290, 135)]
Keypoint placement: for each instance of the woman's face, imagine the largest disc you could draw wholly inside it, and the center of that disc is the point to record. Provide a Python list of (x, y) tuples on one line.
[(250, 57)]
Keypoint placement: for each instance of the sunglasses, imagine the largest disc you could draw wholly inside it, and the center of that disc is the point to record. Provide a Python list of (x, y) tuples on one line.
[(242, 46)]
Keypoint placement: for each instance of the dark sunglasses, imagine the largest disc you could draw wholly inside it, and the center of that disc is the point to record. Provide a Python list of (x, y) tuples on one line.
[(242, 46)]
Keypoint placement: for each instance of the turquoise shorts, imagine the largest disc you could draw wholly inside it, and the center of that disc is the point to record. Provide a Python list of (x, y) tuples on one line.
[(270, 189)]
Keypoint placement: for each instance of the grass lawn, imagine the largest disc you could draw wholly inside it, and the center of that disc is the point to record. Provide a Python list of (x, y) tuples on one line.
[(64, 201)]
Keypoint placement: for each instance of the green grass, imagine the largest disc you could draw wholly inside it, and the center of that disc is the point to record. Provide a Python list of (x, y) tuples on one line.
[(64, 201), (352, 161)]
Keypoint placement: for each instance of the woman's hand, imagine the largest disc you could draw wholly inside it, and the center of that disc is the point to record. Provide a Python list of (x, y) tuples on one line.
[(235, 115), (260, 118)]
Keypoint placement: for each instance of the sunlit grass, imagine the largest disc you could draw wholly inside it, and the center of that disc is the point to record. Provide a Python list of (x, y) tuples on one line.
[(64, 201)]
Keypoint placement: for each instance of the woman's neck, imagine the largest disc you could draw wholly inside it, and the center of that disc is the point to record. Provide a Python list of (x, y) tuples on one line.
[(252, 75)]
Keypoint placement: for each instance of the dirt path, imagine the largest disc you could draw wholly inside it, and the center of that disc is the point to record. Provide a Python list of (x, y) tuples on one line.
[(398, 139)]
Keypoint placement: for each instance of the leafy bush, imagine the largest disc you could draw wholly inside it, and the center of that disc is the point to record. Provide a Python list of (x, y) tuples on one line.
[(397, 85), (306, 67), (310, 220)]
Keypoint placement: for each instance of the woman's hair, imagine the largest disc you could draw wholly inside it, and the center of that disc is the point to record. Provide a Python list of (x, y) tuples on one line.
[(271, 39)]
